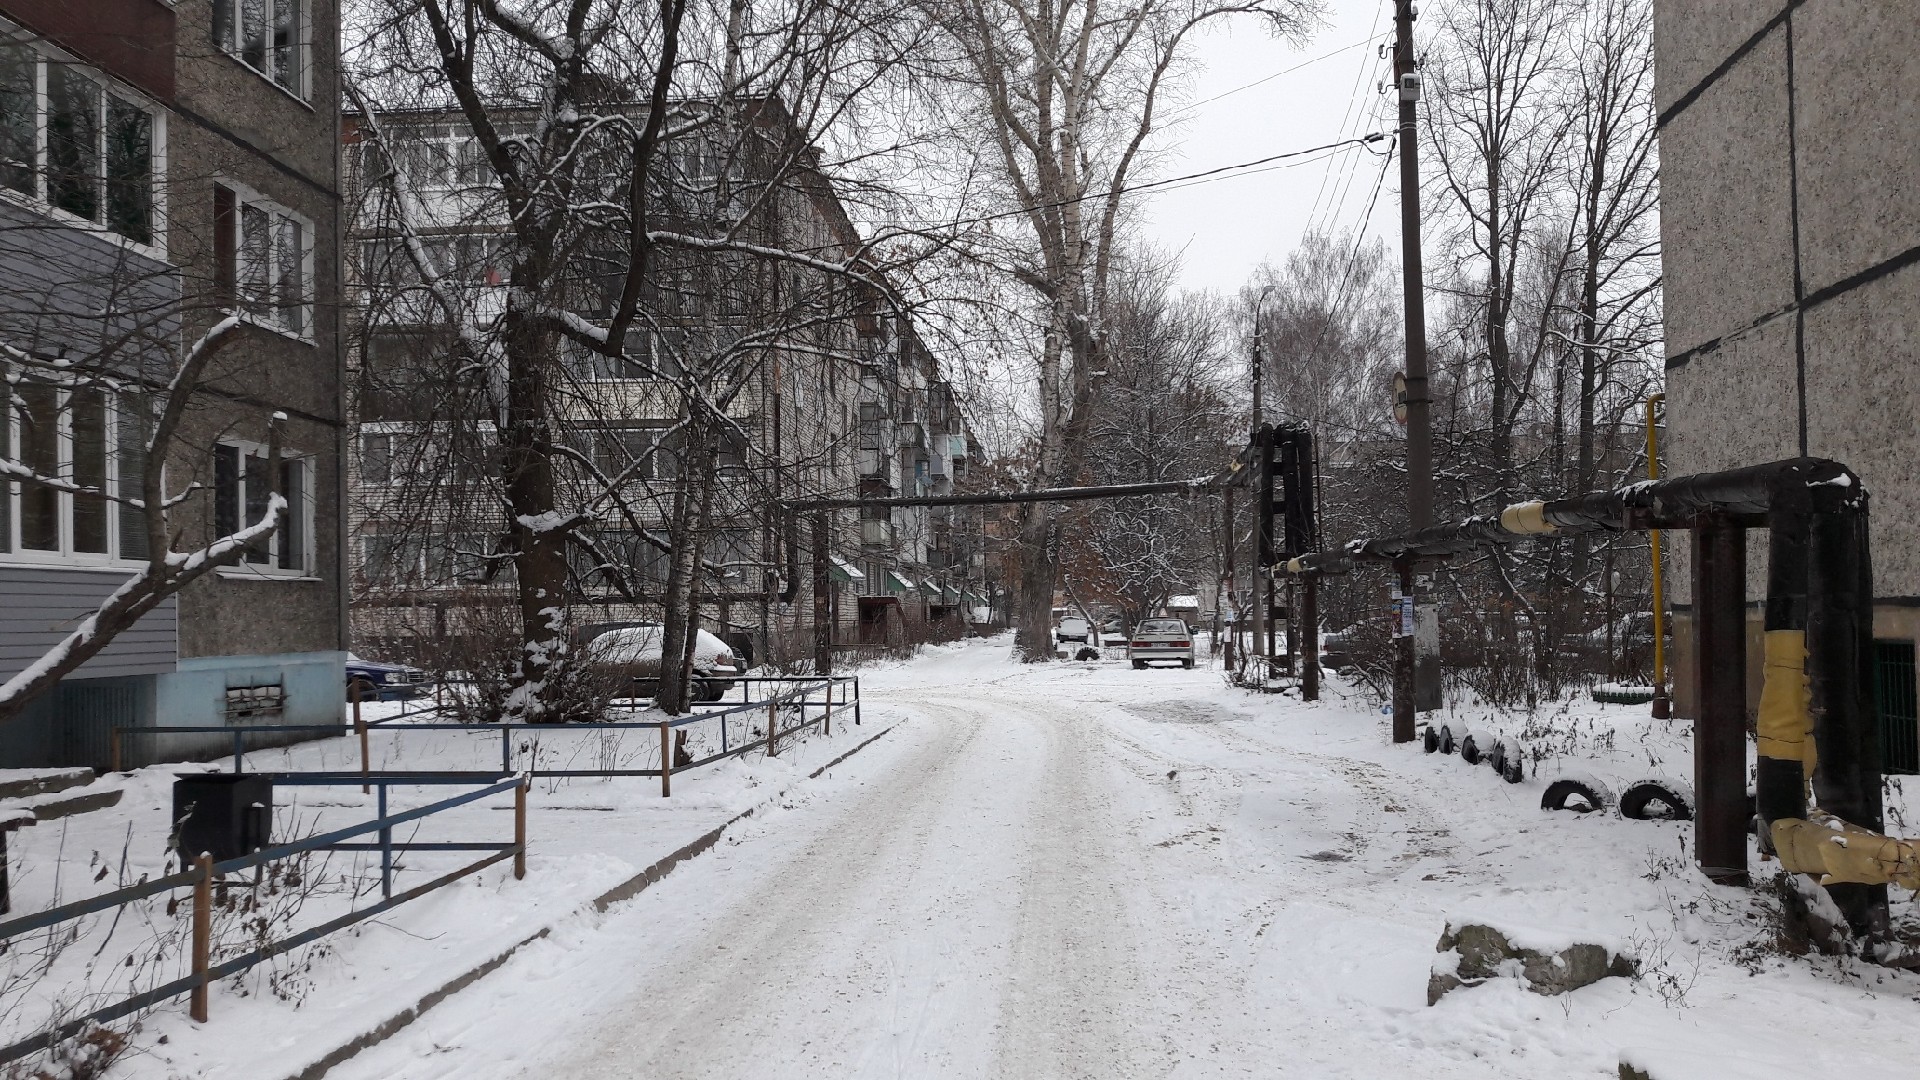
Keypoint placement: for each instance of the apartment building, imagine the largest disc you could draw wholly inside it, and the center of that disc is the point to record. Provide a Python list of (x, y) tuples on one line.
[(1791, 238), (828, 390), (164, 167)]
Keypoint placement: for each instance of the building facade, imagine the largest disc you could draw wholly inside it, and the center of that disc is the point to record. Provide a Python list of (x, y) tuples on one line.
[(1791, 238), (828, 391), (164, 167)]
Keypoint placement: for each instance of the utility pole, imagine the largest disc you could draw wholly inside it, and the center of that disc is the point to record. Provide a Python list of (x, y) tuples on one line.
[(1262, 592), (1419, 433)]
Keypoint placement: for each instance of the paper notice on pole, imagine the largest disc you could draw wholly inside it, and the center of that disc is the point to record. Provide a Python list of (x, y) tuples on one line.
[(1402, 611)]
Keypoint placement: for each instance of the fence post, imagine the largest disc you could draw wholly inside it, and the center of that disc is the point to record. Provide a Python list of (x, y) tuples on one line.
[(202, 936), (239, 750), (360, 726), (856, 701), (520, 830), (773, 719), (666, 760), (113, 749), (826, 718), (386, 849)]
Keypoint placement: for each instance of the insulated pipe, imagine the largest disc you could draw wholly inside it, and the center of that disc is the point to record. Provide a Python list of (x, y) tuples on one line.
[(1785, 722), (1674, 503), (1720, 679), (1840, 676)]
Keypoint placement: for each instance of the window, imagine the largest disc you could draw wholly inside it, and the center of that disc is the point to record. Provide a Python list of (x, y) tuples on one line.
[(84, 437), (68, 141), (633, 363), (734, 551), (241, 489), (262, 256), (269, 36), (619, 449), (376, 459)]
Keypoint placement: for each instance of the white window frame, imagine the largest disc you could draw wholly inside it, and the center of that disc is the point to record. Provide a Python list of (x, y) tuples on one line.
[(46, 58), (232, 43), (303, 509), (247, 198), (12, 492)]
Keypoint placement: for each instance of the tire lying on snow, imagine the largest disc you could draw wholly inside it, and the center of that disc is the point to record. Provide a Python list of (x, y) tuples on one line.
[(1476, 746), (1447, 739), (1430, 739), (1586, 792), (1657, 800), (1507, 759)]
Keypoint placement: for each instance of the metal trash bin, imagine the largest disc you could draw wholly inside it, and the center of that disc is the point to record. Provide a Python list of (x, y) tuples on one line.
[(225, 815)]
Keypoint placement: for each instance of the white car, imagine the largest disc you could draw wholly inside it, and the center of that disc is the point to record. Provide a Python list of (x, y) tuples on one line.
[(1073, 629), (633, 653), (1160, 639)]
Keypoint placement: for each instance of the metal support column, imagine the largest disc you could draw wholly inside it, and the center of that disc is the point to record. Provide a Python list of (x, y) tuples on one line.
[(1720, 673)]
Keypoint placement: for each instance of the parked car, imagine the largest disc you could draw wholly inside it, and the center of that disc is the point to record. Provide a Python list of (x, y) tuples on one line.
[(1336, 651), (1160, 639), (1072, 629), (632, 654), (373, 680)]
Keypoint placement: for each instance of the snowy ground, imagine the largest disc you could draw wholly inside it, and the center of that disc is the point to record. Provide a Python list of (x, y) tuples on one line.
[(1082, 870)]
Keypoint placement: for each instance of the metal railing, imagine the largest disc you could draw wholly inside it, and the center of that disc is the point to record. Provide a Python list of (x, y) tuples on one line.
[(835, 692), (204, 872)]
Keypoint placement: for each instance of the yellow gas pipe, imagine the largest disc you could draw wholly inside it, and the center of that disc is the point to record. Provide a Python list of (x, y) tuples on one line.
[(1661, 706)]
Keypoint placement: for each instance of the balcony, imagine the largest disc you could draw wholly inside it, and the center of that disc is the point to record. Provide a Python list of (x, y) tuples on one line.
[(876, 533)]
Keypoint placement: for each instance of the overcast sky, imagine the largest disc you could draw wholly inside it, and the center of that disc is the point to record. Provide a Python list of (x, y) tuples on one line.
[(1223, 228)]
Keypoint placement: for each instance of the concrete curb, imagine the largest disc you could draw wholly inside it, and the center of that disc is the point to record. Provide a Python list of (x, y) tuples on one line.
[(626, 890)]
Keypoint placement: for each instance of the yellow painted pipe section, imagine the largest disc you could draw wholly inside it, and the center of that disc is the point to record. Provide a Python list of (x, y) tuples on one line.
[(1839, 853), (1527, 519), (1785, 724), (1653, 545)]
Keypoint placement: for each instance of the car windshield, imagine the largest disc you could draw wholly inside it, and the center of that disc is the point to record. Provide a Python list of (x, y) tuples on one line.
[(1163, 626)]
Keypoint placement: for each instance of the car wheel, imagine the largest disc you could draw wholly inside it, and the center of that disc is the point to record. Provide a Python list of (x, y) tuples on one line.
[(1187, 663), (362, 689), (1140, 665)]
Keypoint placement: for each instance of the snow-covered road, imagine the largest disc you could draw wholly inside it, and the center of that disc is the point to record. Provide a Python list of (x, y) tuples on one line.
[(1090, 871)]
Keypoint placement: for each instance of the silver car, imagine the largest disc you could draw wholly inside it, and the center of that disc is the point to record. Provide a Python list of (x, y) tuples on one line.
[(1160, 639)]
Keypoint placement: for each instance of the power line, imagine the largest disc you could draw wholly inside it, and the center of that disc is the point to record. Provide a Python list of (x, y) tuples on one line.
[(1347, 119), (1187, 180), (1278, 74)]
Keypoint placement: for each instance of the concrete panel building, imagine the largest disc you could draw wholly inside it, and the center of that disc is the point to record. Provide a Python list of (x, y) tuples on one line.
[(1790, 173)]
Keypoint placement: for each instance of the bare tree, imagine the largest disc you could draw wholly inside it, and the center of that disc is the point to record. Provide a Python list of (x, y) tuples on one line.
[(1067, 96), (126, 405), (1164, 411), (640, 161), (1498, 130)]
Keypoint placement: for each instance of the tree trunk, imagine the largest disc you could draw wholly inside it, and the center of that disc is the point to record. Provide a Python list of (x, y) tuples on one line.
[(540, 554), (1038, 541), (690, 508)]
